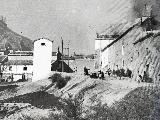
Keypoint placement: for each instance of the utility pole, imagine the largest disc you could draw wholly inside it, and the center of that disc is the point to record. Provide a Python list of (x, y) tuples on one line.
[(68, 53), (62, 54)]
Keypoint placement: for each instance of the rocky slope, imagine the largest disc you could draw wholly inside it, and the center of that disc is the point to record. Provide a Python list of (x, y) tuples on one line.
[(11, 40)]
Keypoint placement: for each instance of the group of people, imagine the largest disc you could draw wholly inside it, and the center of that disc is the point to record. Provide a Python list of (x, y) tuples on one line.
[(100, 73), (144, 78), (120, 73)]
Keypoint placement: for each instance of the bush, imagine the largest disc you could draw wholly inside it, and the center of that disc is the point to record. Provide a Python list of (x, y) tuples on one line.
[(55, 77), (61, 83), (67, 78), (59, 80), (73, 107)]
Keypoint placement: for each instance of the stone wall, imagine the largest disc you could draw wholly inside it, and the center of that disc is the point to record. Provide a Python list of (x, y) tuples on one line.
[(138, 51)]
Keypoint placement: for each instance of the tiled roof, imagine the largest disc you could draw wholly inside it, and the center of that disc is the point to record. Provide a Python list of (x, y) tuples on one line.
[(43, 38), (3, 58), (19, 62)]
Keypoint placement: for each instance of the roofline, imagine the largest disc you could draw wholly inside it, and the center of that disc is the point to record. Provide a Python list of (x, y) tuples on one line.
[(42, 38), (121, 36), (104, 39)]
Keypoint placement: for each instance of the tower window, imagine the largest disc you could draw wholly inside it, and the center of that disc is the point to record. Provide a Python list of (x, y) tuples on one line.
[(43, 44), (25, 68)]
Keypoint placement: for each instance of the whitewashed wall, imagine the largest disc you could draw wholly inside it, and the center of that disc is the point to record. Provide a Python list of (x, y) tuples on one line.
[(101, 44), (17, 71), (42, 59)]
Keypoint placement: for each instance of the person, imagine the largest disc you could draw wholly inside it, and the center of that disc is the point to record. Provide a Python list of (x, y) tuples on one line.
[(1, 74), (145, 77), (114, 72), (139, 78), (85, 71), (102, 75), (129, 73), (99, 74), (12, 78), (109, 72)]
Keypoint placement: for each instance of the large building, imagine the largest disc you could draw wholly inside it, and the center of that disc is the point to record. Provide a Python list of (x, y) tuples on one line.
[(136, 49), (102, 56)]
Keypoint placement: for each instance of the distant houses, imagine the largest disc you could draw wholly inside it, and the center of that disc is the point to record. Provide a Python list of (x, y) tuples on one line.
[(19, 64), (30, 65), (18, 68)]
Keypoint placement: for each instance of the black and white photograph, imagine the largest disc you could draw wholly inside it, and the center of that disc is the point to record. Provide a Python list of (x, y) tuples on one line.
[(79, 59)]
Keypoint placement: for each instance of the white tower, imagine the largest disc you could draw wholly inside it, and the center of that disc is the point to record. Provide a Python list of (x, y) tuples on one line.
[(42, 59)]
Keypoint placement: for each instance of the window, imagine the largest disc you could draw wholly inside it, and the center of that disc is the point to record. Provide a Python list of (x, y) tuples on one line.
[(24, 68), (43, 44)]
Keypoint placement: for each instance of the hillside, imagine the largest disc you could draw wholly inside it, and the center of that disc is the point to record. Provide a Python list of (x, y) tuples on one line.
[(81, 98), (10, 39)]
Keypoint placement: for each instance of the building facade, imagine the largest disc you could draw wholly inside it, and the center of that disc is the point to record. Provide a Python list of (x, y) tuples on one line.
[(102, 56), (137, 49)]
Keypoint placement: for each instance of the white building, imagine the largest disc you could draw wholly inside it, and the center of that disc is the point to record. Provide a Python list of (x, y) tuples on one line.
[(100, 44), (17, 69), (42, 58)]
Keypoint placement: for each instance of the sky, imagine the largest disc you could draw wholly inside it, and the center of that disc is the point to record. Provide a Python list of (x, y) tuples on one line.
[(76, 21)]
